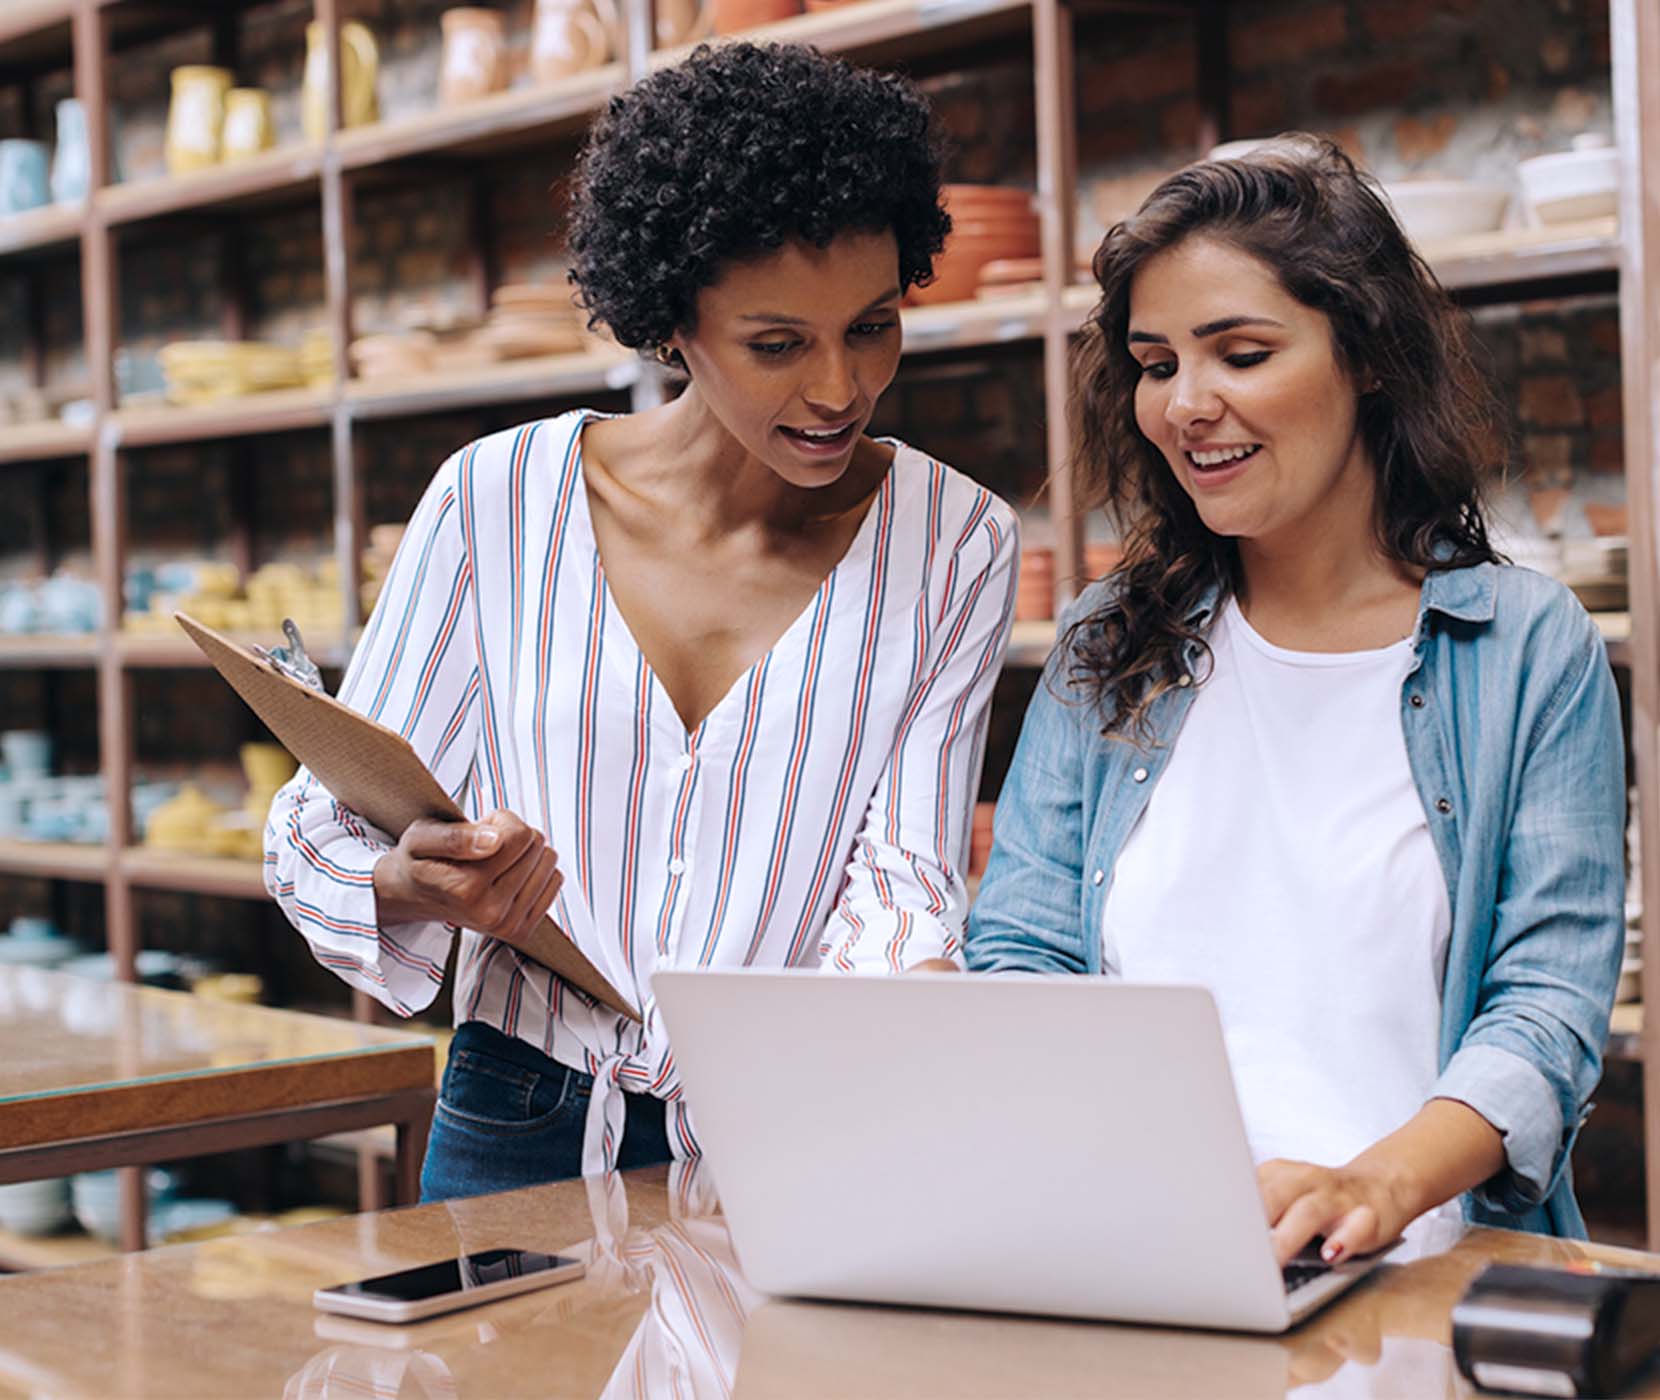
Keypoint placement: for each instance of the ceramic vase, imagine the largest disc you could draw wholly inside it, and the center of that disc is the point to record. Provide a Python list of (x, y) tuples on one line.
[(360, 71), (474, 61), (23, 182), (571, 36), (72, 160)]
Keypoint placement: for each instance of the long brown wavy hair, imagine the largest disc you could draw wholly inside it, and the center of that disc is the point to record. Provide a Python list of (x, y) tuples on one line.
[(1428, 419)]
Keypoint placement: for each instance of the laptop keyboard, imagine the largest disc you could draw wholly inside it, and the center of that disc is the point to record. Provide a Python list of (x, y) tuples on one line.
[(1300, 1271)]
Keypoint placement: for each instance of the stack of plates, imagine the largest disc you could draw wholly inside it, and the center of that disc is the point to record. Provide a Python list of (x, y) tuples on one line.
[(1596, 570), (317, 359), (989, 223), (377, 561), (394, 355), (206, 371), (532, 319)]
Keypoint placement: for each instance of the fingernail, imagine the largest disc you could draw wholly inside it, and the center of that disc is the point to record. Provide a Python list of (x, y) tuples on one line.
[(1331, 1251), (486, 840)]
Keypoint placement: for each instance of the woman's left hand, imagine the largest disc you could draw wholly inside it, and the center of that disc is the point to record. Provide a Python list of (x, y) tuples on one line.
[(1356, 1209)]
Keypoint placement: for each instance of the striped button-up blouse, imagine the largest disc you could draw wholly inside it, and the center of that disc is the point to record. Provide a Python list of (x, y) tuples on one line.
[(819, 814)]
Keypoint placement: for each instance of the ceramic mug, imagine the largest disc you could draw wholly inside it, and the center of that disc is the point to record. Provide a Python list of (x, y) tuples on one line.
[(72, 160), (23, 183), (250, 126), (195, 117), (474, 61)]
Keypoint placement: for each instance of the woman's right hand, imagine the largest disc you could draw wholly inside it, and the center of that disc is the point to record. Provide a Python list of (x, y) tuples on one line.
[(498, 876)]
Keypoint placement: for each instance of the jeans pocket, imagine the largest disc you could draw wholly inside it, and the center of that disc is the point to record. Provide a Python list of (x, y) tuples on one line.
[(490, 1095)]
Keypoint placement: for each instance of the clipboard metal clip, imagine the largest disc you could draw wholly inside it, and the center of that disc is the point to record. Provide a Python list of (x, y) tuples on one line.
[(291, 660)]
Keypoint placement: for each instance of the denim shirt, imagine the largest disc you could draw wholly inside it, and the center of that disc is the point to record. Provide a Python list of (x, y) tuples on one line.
[(1513, 735)]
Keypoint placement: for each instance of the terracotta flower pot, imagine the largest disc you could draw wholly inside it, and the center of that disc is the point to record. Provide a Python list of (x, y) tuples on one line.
[(735, 16), (1034, 598)]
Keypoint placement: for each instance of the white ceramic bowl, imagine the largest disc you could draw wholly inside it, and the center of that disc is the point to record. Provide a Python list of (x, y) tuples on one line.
[(35, 1207), (1572, 185), (1432, 211)]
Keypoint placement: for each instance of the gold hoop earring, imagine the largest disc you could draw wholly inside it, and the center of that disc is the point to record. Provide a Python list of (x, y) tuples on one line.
[(665, 357)]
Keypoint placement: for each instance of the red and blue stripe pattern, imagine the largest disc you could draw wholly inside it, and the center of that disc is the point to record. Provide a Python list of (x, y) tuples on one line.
[(817, 815)]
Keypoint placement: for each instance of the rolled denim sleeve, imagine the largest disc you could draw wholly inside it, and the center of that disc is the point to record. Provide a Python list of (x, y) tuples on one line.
[(1532, 1054), (1028, 916)]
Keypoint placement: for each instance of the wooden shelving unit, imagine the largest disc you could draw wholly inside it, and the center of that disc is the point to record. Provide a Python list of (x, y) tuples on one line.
[(38, 36), (43, 651), (54, 859), (43, 442), (173, 870), (288, 175)]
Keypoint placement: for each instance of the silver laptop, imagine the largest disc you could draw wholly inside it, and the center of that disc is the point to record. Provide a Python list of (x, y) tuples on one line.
[(1056, 1145)]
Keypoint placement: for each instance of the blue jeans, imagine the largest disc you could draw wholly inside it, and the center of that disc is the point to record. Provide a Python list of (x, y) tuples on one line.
[(508, 1116)]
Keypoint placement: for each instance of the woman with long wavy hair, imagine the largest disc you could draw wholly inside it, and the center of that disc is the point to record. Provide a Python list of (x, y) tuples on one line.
[(1314, 745)]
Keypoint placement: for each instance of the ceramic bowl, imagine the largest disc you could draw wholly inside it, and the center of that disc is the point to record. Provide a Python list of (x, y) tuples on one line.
[(27, 752), (36, 952), (1433, 211), (97, 1199), (35, 1207), (1572, 185), (957, 269)]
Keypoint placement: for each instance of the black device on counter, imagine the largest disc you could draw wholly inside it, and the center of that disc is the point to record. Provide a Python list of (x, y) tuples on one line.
[(1576, 1331)]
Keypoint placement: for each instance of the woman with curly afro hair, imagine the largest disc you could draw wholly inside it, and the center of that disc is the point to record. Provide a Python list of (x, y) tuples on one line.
[(729, 657)]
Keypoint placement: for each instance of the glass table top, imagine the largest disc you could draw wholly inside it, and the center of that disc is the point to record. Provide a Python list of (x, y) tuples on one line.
[(66, 1035)]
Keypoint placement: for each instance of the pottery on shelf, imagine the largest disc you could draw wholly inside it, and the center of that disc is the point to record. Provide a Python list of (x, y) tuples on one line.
[(72, 158), (250, 126), (679, 22), (474, 59), (570, 36), (735, 16), (195, 117), (360, 70), (23, 182)]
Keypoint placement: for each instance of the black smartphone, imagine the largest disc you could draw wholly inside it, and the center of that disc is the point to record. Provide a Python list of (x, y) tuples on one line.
[(430, 1289)]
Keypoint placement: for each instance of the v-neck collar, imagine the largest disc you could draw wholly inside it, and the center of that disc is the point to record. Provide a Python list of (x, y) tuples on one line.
[(784, 648)]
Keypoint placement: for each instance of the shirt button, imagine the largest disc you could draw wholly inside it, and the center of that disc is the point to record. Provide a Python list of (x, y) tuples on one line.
[(1442, 806), (677, 866), (1098, 877), (684, 763), (1417, 702), (1140, 775)]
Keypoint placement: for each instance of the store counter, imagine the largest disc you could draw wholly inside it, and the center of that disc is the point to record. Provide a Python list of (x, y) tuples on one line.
[(664, 1311)]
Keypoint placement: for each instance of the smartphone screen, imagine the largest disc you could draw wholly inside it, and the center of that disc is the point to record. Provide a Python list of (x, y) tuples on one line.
[(454, 1275)]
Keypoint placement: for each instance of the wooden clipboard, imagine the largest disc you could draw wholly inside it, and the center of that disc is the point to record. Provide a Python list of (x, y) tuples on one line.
[(373, 771)]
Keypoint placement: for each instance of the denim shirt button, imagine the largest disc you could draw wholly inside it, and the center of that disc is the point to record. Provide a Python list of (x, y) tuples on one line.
[(1098, 877), (1140, 775), (1442, 806), (1417, 702)]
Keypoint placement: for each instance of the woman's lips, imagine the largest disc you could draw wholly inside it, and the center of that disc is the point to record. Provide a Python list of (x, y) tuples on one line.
[(817, 444), (1218, 473)]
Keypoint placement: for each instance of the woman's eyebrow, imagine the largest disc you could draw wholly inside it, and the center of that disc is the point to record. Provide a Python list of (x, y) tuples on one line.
[(779, 319), (1209, 328)]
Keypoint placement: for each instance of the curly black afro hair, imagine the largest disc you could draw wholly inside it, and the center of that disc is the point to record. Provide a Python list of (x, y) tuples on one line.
[(733, 152)]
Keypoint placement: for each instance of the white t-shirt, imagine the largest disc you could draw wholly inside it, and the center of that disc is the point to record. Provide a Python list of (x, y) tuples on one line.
[(1284, 861)]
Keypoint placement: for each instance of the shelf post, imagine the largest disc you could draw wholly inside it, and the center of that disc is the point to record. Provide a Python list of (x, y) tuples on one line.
[(1057, 177), (1635, 49)]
